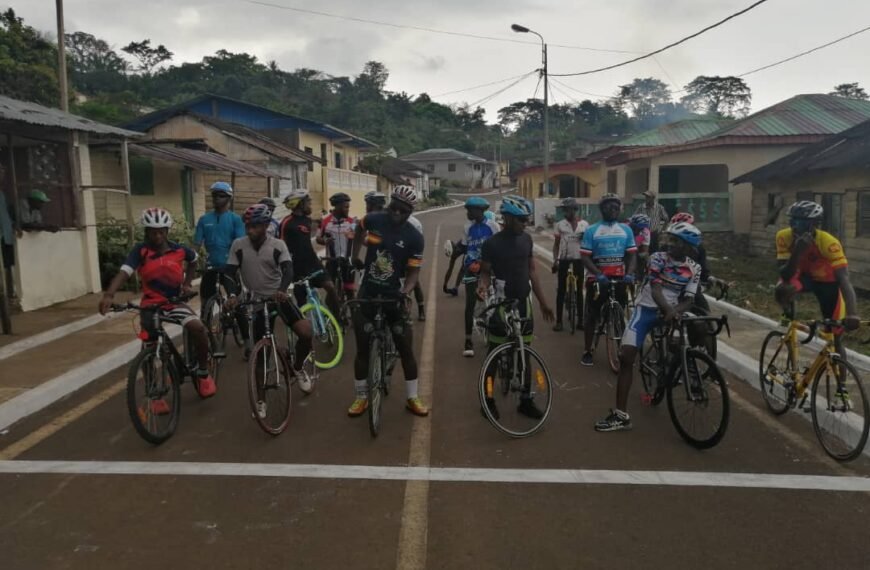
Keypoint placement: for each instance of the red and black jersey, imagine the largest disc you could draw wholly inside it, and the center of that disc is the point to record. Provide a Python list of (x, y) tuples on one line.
[(162, 274)]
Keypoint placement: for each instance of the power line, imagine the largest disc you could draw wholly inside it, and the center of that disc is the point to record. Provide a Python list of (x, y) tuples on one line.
[(660, 50), (424, 29), (566, 86), (485, 84), (538, 86), (489, 98), (567, 96)]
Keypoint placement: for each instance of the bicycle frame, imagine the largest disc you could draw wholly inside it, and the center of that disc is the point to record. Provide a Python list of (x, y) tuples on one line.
[(822, 359), (319, 323)]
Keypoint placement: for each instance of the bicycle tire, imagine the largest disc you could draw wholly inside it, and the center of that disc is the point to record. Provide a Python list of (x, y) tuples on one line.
[(571, 305), (283, 375), (652, 371), (333, 332), (613, 336), (485, 379), (213, 321), (374, 385), (713, 376), (137, 414), (852, 419), (781, 405)]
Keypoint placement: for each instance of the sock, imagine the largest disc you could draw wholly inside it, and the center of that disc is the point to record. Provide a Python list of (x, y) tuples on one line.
[(411, 385), (361, 387), (202, 372)]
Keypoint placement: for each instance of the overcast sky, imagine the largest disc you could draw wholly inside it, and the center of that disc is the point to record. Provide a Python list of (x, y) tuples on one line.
[(425, 62)]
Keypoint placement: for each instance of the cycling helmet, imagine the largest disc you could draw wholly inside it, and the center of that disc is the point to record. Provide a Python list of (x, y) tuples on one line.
[(516, 206), (269, 203), (375, 197), (683, 217), (639, 221), (569, 203), (477, 202), (686, 232), (293, 199), (406, 195), (257, 214), (339, 198), (448, 248), (222, 188), (156, 218), (610, 197), (805, 210)]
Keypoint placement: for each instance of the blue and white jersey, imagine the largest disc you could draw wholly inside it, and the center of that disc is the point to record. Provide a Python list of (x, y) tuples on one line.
[(677, 278), (476, 233), (607, 243)]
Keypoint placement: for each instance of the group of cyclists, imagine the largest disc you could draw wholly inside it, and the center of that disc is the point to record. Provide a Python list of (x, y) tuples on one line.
[(261, 256)]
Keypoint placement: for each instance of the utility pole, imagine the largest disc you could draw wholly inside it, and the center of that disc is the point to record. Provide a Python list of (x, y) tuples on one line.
[(524, 30), (61, 59)]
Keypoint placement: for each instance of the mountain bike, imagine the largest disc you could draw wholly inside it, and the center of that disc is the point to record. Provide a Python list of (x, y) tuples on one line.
[(155, 375), (328, 338), (837, 399), (698, 400), (611, 322), (513, 372), (382, 357)]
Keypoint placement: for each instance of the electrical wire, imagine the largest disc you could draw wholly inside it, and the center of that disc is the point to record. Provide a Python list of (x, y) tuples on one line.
[(538, 86), (485, 84), (566, 86), (489, 98), (667, 47)]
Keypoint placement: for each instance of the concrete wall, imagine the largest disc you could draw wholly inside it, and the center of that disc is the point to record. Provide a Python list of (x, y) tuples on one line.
[(464, 174), (316, 180), (530, 183)]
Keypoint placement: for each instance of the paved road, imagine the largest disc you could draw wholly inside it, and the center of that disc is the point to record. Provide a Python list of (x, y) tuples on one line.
[(221, 494)]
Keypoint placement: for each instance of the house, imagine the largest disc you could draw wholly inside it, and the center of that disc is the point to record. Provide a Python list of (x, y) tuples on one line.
[(393, 171), (338, 150), (695, 175), (456, 166), (50, 150), (835, 173)]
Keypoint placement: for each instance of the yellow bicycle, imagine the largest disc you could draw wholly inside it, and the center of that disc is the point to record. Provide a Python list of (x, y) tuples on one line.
[(837, 400), (571, 285)]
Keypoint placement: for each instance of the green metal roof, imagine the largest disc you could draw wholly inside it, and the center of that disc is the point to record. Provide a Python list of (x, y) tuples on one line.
[(676, 133)]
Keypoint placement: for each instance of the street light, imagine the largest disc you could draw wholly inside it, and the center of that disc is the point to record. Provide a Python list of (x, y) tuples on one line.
[(524, 30)]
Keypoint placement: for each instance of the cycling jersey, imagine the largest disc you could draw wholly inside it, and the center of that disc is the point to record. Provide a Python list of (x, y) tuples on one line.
[(162, 275), (472, 242), (643, 238), (341, 230), (509, 256), (296, 233), (274, 228), (390, 250), (607, 243), (570, 236), (218, 232), (677, 278), (418, 225), (819, 261)]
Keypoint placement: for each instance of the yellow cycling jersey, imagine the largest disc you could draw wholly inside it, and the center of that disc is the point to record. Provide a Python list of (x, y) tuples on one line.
[(819, 261)]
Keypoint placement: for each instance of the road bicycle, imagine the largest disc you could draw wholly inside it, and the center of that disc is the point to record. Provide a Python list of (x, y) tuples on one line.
[(155, 375), (572, 284), (697, 394), (220, 322), (328, 338), (837, 399), (382, 356), (611, 321), (512, 372), (340, 268)]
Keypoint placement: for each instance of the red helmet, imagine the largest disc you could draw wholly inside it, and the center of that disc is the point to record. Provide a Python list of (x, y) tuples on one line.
[(683, 217)]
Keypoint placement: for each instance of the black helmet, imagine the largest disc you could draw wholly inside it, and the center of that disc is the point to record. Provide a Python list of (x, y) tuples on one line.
[(610, 197), (339, 198), (375, 197), (268, 202)]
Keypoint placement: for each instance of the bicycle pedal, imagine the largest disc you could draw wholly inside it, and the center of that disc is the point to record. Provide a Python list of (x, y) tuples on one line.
[(646, 400)]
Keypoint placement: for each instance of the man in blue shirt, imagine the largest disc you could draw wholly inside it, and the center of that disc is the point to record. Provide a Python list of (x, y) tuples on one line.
[(217, 230)]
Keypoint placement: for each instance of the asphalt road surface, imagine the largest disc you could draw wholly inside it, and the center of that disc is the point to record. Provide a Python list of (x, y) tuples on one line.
[(79, 488)]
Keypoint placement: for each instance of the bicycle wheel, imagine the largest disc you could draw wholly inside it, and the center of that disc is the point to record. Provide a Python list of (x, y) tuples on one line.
[(776, 370), (699, 406), (571, 305), (153, 396), (652, 370), (375, 385), (269, 378), (613, 335), (521, 409), (328, 345), (212, 318), (841, 413)]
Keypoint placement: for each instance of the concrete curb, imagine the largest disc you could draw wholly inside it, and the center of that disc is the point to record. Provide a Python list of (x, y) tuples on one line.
[(455, 204)]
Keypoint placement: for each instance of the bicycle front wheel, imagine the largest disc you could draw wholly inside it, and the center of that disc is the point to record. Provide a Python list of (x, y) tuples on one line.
[(375, 384), (153, 396), (328, 345), (213, 319), (269, 378), (613, 336), (841, 413), (571, 305), (652, 370), (699, 406), (515, 390), (776, 369)]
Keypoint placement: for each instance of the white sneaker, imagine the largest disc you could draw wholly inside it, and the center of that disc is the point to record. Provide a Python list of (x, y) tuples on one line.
[(304, 381), (261, 409)]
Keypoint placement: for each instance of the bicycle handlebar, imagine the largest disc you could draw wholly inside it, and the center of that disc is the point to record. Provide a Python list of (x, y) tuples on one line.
[(827, 325), (117, 308), (721, 322), (308, 278)]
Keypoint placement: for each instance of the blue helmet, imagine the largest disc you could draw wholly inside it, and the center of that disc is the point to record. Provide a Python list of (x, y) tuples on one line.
[(639, 221), (258, 214), (686, 232), (516, 206), (477, 202), (223, 187)]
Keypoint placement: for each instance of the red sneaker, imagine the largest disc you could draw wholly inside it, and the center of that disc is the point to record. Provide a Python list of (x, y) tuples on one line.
[(206, 387)]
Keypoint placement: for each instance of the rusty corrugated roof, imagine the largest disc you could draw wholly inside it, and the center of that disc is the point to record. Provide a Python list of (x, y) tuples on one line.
[(200, 160), (33, 114)]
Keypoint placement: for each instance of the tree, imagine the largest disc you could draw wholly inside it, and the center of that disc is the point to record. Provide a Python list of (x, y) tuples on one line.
[(148, 57), (644, 98), (718, 96), (28, 62), (374, 76), (95, 67), (850, 91)]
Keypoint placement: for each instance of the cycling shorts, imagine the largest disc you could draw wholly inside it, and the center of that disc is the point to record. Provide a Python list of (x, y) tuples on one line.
[(829, 296), (642, 320), (172, 314)]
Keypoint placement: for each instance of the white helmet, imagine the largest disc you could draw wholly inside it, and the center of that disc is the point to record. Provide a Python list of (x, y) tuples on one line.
[(156, 218), (405, 194), (448, 248)]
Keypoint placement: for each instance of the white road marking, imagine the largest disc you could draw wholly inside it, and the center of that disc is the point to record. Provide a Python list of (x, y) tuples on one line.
[(50, 335), (444, 474)]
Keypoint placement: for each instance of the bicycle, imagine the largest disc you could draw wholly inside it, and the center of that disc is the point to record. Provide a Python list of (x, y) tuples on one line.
[(611, 322), (217, 320), (325, 328), (338, 268), (836, 386), (382, 358), (571, 285), (511, 372), (160, 369), (670, 363)]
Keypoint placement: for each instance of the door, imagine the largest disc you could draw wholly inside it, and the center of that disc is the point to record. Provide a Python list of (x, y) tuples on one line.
[(187, 195)]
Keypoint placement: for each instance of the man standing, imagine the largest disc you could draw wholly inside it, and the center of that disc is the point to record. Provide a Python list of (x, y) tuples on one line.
[(658, 217), (336, 233), (7, 238), (566, 253), (217, 230)]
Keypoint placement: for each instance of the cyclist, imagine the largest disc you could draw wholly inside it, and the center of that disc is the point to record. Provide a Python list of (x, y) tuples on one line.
[(217, 230), (274, 225), (478, 230), (812, 260), (566, 253), (336, 233), (670, 288), (266, 269), (608, 251), (700, 256), (375, 201), (296, 232), (166, 270), (394, 250), (507, 259)]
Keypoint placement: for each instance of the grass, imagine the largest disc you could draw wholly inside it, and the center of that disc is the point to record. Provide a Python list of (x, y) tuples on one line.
[(752, 283)]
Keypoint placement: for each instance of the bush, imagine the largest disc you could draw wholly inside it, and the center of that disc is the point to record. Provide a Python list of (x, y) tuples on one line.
[(437, 197)]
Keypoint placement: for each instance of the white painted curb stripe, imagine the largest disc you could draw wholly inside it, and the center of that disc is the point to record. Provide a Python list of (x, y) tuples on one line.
[(446, 474)]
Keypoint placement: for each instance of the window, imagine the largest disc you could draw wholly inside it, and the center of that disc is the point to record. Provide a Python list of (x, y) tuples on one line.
[(323, 154), (310, 150), (45, 167), (141, 176), (477, 167), (451, 167), (863, 226), (431, 167), (611, 181), (338, 163)]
